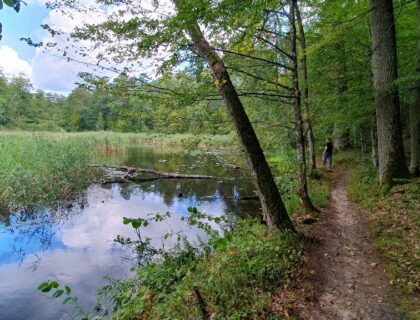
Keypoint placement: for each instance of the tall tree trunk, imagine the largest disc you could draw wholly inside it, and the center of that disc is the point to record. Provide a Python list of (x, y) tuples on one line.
[(274, 211), (374, 139), (384, 65), (362, 139), (303, 187), (415, 110), (307, 118)]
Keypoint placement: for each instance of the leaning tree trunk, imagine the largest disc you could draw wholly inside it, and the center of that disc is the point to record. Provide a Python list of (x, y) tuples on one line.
[(303, 187), (415, 110), (308, 121), (384, 65), (274, 211), (374, 139)]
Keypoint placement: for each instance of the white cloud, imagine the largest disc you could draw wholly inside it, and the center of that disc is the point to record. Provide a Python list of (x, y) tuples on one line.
[(12, 65), (51, 71)]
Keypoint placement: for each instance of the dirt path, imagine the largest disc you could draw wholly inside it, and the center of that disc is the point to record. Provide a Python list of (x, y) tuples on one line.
[(347, 274)]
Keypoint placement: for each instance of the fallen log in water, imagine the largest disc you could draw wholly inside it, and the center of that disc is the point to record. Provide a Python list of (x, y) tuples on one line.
[(245, 198), (161, 174), (128, 179)]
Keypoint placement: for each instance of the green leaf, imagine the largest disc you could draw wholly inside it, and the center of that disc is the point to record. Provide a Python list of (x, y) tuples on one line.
[(136, 224), (54, 284), (10, 3), (46, 289), (44, 286), (58, 294), (68, 300), (68, 289), (126, 220)]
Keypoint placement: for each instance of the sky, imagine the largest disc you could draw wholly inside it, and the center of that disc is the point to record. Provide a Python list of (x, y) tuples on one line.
[(51, 72), (45, 71)]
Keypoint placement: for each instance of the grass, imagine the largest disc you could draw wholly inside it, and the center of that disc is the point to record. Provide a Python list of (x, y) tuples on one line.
[(39, 168), (395, 224), (285, 169)]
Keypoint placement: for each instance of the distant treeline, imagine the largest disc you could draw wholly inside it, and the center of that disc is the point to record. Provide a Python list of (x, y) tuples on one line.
[(114, 106)]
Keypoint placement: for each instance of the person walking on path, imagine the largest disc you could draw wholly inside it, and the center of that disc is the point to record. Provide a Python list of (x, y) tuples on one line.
[(327, 154)]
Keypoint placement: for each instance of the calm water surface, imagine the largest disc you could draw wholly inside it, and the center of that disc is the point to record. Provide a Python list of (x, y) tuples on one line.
[(75, 246)]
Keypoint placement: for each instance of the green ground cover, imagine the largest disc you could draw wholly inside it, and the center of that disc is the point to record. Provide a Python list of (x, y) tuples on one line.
[(395, 226)]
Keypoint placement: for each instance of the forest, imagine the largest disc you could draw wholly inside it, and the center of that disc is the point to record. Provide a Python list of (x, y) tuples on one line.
[(208, 128)]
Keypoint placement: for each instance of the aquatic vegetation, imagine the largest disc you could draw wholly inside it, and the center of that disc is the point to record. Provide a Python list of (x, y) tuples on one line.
[(45, 167), (39, 168)]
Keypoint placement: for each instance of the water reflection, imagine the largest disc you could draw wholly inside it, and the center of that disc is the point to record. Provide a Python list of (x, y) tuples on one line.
[(75, 245)]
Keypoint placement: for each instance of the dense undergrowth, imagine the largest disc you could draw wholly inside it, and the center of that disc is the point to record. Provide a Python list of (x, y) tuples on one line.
[(234, 275), (395, 224), (231, 277), (284, 167)]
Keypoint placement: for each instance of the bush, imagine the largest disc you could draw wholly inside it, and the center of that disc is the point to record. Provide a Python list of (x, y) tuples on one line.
[(232, 277)]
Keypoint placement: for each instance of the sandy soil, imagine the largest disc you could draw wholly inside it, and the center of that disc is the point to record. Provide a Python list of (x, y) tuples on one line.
[(346, 273)]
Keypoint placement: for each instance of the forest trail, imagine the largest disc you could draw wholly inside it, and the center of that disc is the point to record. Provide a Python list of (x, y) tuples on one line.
[(346, 272)]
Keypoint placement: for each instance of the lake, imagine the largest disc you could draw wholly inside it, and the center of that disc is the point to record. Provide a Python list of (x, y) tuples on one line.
[(75, 245)]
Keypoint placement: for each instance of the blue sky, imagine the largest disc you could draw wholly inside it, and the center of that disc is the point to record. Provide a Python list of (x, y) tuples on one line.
[(25, 24), (45, 71), (49, 71)]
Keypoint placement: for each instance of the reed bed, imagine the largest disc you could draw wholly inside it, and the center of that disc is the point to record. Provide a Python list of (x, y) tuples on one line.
[(48, 167)]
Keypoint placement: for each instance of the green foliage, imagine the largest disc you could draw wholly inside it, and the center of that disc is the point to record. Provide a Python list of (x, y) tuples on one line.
[(236, 275), (109, 105), (53, 288)]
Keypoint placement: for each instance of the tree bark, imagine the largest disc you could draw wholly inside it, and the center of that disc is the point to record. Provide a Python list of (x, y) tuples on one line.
[(274, 211), (307, 118), (415, 110), (303, 186), (374, 139), (384, 65)]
